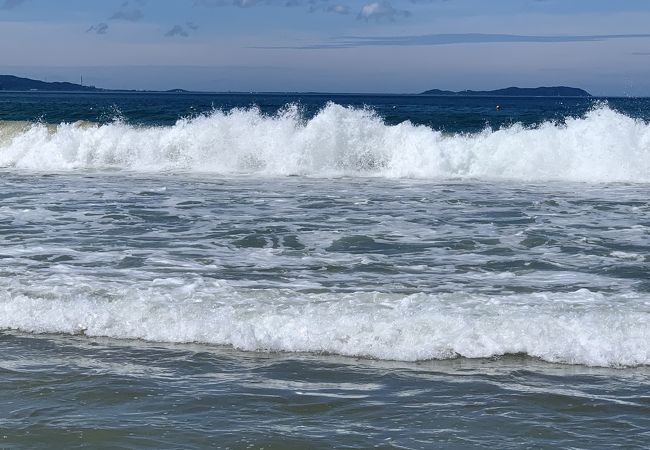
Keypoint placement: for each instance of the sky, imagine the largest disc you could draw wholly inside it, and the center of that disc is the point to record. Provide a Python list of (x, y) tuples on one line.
[(384, 46)]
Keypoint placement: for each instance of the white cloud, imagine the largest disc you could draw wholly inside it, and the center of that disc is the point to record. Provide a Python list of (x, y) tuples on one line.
[(338, 9), (381, 10)]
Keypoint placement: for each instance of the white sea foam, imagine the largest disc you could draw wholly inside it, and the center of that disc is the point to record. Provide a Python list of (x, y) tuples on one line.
[(603, 146), (580, 327)]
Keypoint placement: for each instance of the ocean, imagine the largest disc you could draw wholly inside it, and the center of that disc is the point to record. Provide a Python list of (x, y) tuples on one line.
[(286, 271)]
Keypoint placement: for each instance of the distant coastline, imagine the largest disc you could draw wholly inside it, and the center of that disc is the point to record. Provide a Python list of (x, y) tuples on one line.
[(19, 84), (13, 83), (555, 91)]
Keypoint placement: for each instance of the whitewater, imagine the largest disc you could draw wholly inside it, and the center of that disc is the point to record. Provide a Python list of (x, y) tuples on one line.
[(579, 327), (603, 145), (333, 231), (371, 268)]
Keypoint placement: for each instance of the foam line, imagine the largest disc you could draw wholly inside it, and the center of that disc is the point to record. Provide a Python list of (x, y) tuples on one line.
[(578, 327)]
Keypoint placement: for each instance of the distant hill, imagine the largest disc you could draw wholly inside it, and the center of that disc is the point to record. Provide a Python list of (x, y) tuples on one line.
[(12, 83), (556, 91)]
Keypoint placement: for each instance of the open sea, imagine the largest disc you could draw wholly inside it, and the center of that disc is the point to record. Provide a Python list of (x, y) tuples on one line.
[(323, 271)]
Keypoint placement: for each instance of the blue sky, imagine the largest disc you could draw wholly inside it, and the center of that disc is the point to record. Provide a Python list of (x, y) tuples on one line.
[(401, 46)]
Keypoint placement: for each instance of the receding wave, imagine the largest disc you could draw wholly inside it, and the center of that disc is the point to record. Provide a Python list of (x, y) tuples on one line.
[(578, 327), (602, 146)]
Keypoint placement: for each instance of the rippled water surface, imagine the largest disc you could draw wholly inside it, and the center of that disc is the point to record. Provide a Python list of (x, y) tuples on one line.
[(93, 392)]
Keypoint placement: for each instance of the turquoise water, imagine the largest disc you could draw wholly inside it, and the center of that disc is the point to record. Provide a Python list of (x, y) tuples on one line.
[(323, 272)]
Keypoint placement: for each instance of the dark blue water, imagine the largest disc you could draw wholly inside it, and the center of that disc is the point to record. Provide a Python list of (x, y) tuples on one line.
[(458, 114)]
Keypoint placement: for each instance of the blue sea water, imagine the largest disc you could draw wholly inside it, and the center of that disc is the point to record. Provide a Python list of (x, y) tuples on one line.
[(323, 271)]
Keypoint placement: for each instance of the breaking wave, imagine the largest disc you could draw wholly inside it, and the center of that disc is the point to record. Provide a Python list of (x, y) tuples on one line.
[(602, 146), (581, 327)]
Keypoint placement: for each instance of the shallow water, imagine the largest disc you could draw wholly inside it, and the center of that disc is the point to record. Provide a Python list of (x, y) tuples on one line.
[(89, 392)]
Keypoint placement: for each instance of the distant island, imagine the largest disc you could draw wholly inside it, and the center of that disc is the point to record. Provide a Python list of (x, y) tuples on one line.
[(555, 91)]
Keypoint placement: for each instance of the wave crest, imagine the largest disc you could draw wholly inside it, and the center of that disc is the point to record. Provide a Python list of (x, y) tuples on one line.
[(576, 327), (602, 146)]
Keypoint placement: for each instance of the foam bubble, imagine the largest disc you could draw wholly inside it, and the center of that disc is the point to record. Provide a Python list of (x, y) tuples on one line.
[(580, 327), (603, 146)]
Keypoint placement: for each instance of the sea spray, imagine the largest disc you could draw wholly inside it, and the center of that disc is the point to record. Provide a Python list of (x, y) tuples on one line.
[(602, 146)]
